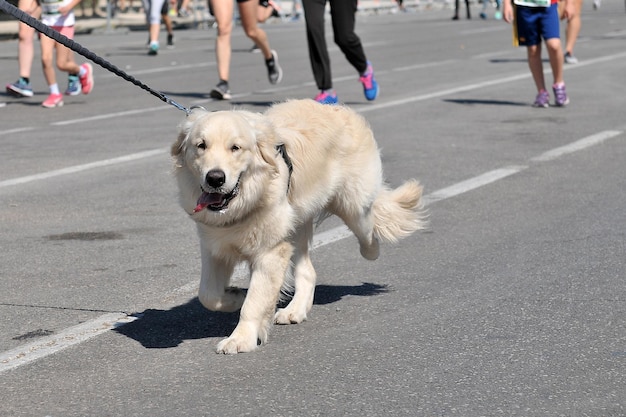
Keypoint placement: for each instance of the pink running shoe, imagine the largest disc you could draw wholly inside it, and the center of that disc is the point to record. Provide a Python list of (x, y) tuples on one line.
[(326, 98), (86, 81), (370, 86), (53, 100)]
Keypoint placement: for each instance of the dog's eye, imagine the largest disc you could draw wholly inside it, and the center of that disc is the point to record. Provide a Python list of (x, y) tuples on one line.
[(201, 145), (235, 148)]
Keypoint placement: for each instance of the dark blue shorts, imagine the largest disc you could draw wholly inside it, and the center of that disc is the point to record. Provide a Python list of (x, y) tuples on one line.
[(535, 23)]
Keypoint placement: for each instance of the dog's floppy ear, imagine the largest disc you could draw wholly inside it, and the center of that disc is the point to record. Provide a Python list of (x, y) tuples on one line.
[(265, 137), (184, 127)]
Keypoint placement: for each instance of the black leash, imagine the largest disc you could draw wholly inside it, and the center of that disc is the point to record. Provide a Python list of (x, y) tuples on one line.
[(79, 49)]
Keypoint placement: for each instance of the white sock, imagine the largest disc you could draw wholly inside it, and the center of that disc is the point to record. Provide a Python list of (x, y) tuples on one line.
[(54, 89)]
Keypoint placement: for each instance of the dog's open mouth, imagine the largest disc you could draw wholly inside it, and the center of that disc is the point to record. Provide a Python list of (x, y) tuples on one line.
[(215, 201)]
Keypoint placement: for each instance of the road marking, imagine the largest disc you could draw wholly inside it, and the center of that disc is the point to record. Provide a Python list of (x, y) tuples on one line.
[(576, 146), (71, 336), (110, 115), (16, 130), (83, 167), (472, 184), (369, 108), (476, 86)]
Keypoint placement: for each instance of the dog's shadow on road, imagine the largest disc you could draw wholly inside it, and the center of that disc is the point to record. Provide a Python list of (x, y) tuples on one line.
[(161, 329)]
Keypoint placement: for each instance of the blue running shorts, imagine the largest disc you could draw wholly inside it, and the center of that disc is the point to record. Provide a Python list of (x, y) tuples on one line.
[(534, 23)]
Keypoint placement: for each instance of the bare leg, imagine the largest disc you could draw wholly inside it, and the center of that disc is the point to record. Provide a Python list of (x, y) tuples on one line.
[(223, 13), (536, 66), (555, 53), (248, 13), (26, 34)]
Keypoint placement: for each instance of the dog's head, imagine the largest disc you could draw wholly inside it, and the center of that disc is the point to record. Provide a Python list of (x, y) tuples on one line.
[(224, 162)]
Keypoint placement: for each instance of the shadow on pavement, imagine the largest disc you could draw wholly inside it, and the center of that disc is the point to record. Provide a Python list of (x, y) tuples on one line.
[(161, 329)]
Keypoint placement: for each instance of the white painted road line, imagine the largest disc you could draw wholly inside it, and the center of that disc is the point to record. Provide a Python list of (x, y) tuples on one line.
[(71, 336), (472, 183), (371, 107), (576, 146), (84, 167)]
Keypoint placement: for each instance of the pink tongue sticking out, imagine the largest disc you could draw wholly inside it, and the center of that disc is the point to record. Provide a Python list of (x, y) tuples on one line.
[(208, 199)]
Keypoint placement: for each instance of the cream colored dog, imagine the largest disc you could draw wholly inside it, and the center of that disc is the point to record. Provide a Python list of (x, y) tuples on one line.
[(255, 183)]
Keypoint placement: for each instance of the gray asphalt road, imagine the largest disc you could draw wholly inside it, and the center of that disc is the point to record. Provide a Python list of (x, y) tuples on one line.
[(511, 303)]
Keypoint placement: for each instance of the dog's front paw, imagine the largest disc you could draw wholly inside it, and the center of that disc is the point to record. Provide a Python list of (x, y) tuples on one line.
[(233, 345), (289, 315), (243, 339)]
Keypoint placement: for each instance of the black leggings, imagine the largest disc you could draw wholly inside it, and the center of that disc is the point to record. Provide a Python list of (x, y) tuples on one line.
[(342, 14)]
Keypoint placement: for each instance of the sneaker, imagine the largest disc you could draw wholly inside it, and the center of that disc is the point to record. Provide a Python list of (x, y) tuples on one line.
[(255, 49), (370, 86), (274, 71), (153, 48), (570, 59), (325, 97), (221, 91), (170, 40), (483, 15), (73, 86), (542, 99), (86, 81), (560, 96), (53, 100), (497, 15), (20, 88)]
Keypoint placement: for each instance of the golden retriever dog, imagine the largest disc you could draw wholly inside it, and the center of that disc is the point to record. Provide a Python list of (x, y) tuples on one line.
[(256, 183)]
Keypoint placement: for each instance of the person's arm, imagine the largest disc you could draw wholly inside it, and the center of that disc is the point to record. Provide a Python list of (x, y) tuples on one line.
[(66, 9), (507, 11), (568, 9)]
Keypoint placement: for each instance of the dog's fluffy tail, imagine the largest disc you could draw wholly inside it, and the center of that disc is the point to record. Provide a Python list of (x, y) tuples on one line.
[(398, 212)]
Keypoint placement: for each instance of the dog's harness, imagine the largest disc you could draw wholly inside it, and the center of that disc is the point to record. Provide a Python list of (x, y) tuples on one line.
[(283, 152)]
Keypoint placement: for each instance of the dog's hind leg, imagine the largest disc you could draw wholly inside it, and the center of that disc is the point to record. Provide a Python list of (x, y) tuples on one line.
[(305, 277), (214, 293), (268, 272), (361, 223)]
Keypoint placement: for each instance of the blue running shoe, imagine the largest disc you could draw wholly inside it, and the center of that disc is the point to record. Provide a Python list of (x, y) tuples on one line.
[(20, 88), (370, 86), (153, 49), (73, 86), (326, 97)]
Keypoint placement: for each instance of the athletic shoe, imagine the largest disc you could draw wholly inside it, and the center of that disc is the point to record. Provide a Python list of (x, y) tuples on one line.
[(86, 81), (221, 91), (153, 48), (570, 59), (53, 100), (20, 88), (73, 86), (497, 15), (370, 86), (483, 15), (255, 49), (274, 71), (170, 40), (560, 96), (542, 100), (325, 97)]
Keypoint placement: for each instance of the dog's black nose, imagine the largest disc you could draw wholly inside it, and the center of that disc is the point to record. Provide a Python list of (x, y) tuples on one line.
[(215, 178)]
